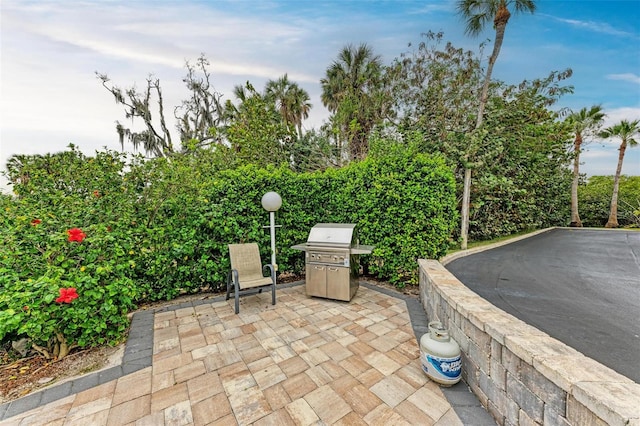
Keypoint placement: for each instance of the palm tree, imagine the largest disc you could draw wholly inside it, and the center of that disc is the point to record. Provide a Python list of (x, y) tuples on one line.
[(350, 90), (291, 100), (625, 130), (242, 94), (583, 123), (300, 105), (477, 13)]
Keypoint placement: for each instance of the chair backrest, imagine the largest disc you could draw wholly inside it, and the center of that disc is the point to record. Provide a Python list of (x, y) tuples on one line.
[(245, 258)]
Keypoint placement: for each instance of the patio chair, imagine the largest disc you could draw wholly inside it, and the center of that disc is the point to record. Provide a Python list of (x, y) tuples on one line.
[(247, 273)]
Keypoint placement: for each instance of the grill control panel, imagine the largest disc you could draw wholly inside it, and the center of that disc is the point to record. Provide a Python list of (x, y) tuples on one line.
[(328, 258)]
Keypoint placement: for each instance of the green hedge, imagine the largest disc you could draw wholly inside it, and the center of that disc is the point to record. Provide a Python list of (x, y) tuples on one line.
[(157, 229), (595, 201), (404, 205)]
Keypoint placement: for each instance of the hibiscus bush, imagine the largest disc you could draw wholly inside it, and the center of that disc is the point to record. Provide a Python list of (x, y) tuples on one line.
[(66, 275)]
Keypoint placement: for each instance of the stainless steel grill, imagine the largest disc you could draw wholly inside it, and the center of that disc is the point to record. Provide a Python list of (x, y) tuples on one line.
[(332, 261)]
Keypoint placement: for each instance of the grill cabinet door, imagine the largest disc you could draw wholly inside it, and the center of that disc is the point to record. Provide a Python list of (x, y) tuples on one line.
[(338, 283), (316, 280)]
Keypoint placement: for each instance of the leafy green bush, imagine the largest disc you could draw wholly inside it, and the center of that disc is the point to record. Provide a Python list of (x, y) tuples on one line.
[(524, 182), (404, 203), (595, 201), (39, 256)]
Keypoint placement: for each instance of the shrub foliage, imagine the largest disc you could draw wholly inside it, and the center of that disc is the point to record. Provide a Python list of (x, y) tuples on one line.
[(595, 200), (156, 229)]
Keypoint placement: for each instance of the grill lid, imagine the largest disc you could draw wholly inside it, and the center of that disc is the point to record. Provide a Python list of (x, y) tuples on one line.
[(332, 234)]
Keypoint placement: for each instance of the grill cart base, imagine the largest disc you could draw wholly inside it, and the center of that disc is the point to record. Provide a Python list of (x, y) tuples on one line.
[(332, 261)]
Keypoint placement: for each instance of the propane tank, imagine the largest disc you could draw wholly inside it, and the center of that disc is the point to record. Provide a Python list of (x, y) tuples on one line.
[(440, 355)]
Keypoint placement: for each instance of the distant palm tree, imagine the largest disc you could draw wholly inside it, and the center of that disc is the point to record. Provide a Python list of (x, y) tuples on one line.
[(477, 14), (350, 91), (231, 111), (625, 130), (242, 93), (300, 105), (584, 122), (291, 100)]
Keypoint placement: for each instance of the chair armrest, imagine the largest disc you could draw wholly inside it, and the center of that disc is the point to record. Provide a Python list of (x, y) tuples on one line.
[(234, 276), (272, 272)]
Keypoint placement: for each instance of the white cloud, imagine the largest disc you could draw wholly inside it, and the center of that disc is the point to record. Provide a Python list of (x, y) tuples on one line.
[(434, 7), (615, 115), (601, 155), (165, 35), (50, 50), (625, 77), (602, 160), (595, 26), (595, 152)]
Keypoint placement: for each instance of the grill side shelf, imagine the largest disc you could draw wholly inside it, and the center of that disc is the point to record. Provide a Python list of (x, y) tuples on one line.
[(355, 249), (361, 249)]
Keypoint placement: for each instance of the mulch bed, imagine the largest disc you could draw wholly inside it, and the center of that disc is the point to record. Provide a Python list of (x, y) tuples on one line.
[(19, 377)]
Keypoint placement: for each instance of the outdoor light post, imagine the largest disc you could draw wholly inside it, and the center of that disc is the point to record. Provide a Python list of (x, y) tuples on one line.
[(271, 202)]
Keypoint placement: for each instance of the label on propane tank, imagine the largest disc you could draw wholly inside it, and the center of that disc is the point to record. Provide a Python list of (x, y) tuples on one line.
[(442, 368)]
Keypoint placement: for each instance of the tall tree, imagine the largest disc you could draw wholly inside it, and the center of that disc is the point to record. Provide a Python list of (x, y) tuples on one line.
[(524, 182), (291, 100), (314, 151), (435, 90), (477, 14), (231, 111), (256, 131), (626, 131), (583, 124), (353, 91), (154, 139), (198, 116)]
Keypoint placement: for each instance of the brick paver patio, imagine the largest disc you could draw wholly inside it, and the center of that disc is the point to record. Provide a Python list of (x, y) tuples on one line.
[(303, 361)]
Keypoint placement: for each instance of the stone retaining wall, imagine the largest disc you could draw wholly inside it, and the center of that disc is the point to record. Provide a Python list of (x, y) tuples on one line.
[(521, 375)]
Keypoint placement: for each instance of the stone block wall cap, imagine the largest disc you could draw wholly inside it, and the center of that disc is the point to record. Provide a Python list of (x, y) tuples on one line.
[(616, 403)]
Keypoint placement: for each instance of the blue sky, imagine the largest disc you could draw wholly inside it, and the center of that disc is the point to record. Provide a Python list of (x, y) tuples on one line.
[(49, 96)]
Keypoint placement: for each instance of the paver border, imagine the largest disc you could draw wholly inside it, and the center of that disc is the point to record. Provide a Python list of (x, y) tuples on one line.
[(138, 354)]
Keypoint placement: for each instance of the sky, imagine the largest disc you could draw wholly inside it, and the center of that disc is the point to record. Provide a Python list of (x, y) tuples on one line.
[(50, 50)]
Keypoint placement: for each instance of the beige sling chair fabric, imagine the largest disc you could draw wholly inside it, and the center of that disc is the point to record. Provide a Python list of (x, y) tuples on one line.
[(247, 273)]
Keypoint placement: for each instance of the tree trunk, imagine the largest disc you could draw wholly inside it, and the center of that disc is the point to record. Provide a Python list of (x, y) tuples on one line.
[(299, 126), (613, 212), (575, 217), (466, 191), (502, 17)]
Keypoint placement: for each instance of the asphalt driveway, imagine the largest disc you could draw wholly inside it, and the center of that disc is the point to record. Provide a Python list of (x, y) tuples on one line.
[(580, 286)]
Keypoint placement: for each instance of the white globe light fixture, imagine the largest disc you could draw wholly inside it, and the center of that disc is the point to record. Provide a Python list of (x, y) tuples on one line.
[(271, 202)]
